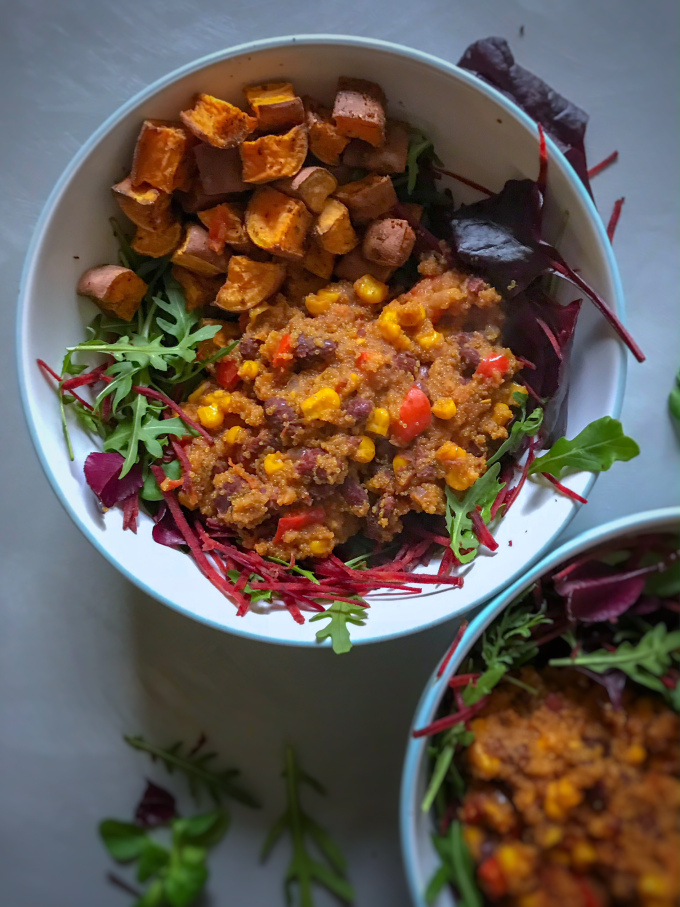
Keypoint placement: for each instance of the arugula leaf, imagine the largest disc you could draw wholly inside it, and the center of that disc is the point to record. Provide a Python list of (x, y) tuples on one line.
[(195, 767), (595, 449), (417, 145), (150, 490), (256, 595), (144, 428), (508, 641), (304, 870), (152, 858), (482, 494), (645, 662), (674, 399), (523, 427), (339, 615), (457, 868)]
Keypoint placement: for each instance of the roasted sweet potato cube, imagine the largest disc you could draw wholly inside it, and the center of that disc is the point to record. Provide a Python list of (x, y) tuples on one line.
[(219, 170), (388, 158), (157, 243), (325, 142), (196, 255), (300, 282), (272, 157), (159, 155), (217, 122), (145, 205), (368, 198), (312, 185), (249, 283), (353, 266), (116, 290), (412, 212), (334, 230), (359, 110), (276, 106), (389, 242), (318, 260), (195, 199), (198, 291), (277, 223), (226, 225)]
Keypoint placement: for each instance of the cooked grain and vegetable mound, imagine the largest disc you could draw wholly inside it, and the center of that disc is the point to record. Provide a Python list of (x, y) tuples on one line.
[(556, 772), (346, 410)]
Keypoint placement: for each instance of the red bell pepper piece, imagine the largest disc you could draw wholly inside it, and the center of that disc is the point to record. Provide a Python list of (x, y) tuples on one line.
[(218, 230), (492, 879), (590, 899), (299, 521), (282, 355), (493, 366), (415, 415), (226, 373)]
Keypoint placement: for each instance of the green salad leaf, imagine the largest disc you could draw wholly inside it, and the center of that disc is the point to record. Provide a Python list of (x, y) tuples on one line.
[(197, 769), (482, 494), (674, 399), (595, 449), (305, 870), (339, 616), (522, 427), (457, 868)]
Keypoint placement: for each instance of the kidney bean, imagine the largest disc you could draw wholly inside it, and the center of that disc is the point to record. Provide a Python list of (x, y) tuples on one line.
[(308, 353), (280, 415), (406, 362), (359, 408)]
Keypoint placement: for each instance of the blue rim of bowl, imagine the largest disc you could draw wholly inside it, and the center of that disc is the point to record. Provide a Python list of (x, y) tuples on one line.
[(237, 51), (435, 687)]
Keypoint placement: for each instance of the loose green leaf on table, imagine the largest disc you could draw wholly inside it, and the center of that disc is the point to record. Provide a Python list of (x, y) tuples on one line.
[(305, 870), (339, 616), (482, 494), (196, 767), (674, 399), (595, 449)]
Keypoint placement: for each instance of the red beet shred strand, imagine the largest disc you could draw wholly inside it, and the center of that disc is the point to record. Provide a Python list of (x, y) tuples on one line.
[(607, 162), (454, 645), (567, 492), (614, 219), (443, 724)]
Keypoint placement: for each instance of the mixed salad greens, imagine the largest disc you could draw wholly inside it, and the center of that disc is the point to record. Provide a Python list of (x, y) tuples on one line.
[(138, 373)]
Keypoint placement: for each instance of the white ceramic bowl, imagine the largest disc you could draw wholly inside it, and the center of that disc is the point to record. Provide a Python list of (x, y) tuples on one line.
[(419, 855), (477, 132)]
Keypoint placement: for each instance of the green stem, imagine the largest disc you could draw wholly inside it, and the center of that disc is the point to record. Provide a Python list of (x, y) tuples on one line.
[(295, 813)]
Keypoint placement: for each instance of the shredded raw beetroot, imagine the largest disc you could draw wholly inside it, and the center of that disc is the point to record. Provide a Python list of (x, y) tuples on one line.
[(50, 371), (462, 680), (542, 180), (157, 395), (443, 724), (131, 512), (607, 162), (183, 458), (484, 537), (567, 492), (439, 171), (614, 219), (454, 645)]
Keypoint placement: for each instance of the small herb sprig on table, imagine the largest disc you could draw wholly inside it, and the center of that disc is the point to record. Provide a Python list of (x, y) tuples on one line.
[(195, 766), (305, 870), (340, 615)]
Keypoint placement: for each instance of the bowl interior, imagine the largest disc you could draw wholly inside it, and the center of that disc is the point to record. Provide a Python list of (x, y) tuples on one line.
[(420, 857), (476, 133)]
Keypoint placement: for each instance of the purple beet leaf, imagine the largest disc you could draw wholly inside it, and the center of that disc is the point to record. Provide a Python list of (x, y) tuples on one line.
[(157, 807), (614, 682), (101, 473), (165, 532), (492, 60), (597, 592)]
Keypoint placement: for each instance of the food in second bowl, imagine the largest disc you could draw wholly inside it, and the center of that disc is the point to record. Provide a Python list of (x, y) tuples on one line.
[(556, 777)]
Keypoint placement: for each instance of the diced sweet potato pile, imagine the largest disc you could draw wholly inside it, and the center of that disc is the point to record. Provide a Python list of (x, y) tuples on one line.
[(290, 182)]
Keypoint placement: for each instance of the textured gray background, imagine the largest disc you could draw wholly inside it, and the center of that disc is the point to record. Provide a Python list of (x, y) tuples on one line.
[(85, 656)]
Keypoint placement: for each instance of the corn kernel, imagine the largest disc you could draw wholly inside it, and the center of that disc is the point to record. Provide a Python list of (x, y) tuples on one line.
[(198, 393), (486, 765), (365, 452), (389, 329), (320, 404), (236, 435), (474, 838), (449, 452), (502, 413), (379, 421), (652, 885), (410, 316), (552, 836), (353, 382), (515, 860), (583, 854), (319, 547), (635, 754), (516, 389), (273, 463), (429, 339), (219, 398), (461, 481), (399, 463), (560, 797), (318, 303), (535, 899), (210, 416), (370, 290), (444, 408), (249, 369)]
